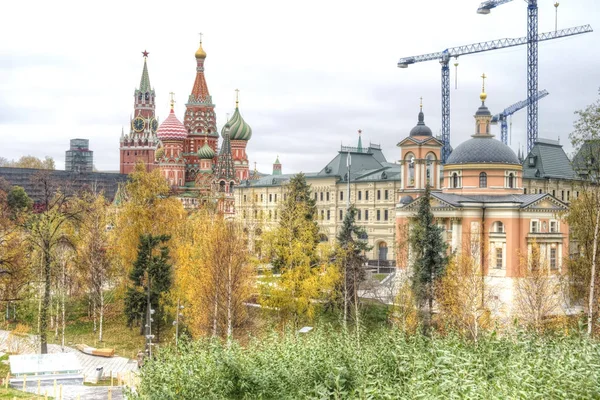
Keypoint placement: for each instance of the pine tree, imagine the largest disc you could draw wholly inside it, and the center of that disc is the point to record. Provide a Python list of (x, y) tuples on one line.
[(428, 254), (151, 277), (350, 255)]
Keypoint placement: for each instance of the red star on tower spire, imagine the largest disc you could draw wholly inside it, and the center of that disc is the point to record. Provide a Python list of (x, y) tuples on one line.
[(145, 53)]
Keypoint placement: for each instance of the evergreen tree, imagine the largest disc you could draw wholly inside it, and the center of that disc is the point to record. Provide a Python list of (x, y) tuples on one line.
[(18, 200), (297, 227), (151, 277), (428, 254), (350, 254)]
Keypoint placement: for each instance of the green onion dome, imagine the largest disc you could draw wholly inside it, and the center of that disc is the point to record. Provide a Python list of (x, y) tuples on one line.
[(206, 152), (238, 128)]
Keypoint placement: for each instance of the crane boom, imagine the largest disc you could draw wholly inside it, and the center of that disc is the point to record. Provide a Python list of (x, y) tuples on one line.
[(491, 45), (444, 58), (510, 110), (486, 6)]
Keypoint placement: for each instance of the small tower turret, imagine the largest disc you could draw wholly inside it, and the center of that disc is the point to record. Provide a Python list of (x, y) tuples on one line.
[(277, 167)]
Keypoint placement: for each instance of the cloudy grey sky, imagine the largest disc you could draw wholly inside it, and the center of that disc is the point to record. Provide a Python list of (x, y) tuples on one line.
[(310, 73)]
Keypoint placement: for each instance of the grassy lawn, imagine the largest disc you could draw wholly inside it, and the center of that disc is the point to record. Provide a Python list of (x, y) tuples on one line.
[(17, 394), (126, 342)]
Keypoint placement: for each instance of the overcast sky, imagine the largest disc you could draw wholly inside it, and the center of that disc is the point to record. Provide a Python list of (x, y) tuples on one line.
[(310, 73)]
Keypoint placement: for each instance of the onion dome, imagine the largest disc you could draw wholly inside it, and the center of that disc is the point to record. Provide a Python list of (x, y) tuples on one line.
[(171, 128), (200, 53), (206, 152), (406, 200), (238, 128), (421, 129)]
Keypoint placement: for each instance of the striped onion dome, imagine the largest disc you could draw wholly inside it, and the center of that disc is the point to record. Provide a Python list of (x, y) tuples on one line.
[(238, 128), (206, 152), (171, 129)]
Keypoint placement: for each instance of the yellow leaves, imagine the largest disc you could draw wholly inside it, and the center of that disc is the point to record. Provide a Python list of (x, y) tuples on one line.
[(404, 313)]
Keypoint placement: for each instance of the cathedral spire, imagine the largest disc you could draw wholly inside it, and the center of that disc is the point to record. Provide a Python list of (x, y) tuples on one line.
[(359, 140), (145, 81), (200, 94), (225, 168)]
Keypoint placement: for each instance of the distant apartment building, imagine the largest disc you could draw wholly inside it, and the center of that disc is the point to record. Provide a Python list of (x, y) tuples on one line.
[(79, 158)]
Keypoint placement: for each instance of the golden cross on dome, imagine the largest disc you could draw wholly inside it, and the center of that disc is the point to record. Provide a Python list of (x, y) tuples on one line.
[(172, 95), (237, 97), (200, 36), (483, 77), (421, 102)]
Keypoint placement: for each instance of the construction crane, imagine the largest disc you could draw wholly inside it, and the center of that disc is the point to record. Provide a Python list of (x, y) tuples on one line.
[(501, 117), (444, 58), (532, 62)]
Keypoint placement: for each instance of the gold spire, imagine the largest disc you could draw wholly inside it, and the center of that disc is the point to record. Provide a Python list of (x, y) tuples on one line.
[(483, 95), (200, 53), (172, 100), (421, 103), (237, 98)]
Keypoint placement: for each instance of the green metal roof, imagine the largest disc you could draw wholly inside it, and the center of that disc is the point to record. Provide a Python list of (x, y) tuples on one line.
[(547, 160)]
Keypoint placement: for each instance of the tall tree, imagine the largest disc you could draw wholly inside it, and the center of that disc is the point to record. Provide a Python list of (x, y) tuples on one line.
[(46, 232), (297, 228), (18, 200), (584, 213), (151, 278), (351, 256), (147, 209), (428, 254), (92, 256)]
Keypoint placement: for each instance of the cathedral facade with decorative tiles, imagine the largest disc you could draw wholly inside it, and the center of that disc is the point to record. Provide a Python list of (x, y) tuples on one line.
[(188, 153)]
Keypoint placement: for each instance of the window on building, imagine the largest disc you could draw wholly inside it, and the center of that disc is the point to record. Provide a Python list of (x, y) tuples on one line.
[(244, 198), (316, 196), (284, 196), (562, 195), (341, 195), (261, 198), (341, 215), (321, 196), (328, 215), (385, 215), (275, 214), (244, 214), (534, 226), (270, 215), (510, 180), (455, 180), (327, 196), (553, 256), (322, 215), (498, 257), (499, 227), (386, 194), (359, 195), (359, 214), (482, 180), (366, 195), (255, 214), (378, 215), (378, 194), (525, 191), (275, 197), (553, 193), (553, 226), (270, 197), (366, 215), (568, 194)]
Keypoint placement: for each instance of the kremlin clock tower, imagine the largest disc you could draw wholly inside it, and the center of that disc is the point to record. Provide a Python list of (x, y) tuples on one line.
[(141, 141)]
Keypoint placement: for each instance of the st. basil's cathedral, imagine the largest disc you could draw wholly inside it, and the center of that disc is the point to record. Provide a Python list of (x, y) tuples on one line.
[(187, 153)]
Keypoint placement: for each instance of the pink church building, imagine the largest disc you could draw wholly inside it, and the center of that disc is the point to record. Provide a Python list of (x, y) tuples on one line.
[(477, 197)]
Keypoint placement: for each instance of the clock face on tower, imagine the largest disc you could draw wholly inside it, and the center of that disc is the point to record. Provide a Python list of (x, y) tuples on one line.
[(138, 124), (154, 125)]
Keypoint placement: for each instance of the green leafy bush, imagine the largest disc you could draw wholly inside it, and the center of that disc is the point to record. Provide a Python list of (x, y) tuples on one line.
[(383, 365)]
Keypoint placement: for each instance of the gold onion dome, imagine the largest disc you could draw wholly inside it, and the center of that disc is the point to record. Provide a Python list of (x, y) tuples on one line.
[(206, 152), (200, 53), (238, 128)]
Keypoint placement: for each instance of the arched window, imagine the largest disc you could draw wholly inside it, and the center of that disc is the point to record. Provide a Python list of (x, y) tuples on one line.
[(455, 180), (498, 227), (383, 251), (482, 180), (411, 169), (511, 180)]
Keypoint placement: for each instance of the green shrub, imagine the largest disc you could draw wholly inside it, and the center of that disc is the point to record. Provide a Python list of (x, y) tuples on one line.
[(385, 364)]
